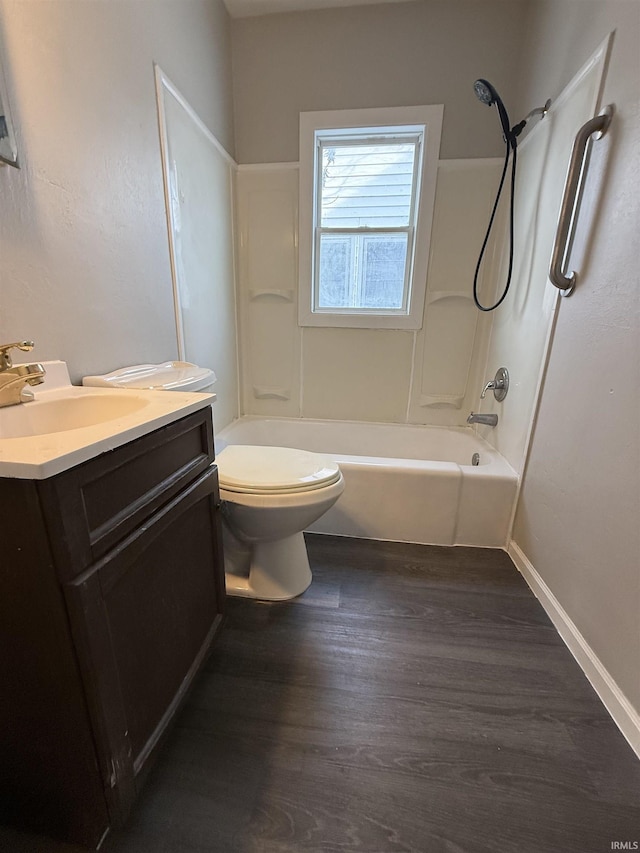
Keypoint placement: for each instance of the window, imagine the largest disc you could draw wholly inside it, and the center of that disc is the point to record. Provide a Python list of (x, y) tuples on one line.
[(367, 186)]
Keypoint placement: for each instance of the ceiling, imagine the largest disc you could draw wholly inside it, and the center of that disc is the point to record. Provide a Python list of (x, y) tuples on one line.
[(247, 8)]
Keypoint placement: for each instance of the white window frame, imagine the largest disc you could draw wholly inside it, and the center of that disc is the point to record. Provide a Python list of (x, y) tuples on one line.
[(426, 120)]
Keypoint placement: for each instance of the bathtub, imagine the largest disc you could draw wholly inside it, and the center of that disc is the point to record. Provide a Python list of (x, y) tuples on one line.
[(403, 483)]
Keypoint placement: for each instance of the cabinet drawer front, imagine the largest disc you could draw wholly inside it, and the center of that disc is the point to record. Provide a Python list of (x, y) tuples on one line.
[(144, 618), (94, 506)]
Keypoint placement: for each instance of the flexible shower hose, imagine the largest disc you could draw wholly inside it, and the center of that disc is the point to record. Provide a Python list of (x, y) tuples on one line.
[(511, 146)]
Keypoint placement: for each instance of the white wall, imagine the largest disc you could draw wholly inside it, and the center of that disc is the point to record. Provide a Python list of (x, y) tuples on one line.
[(577, 518), (427, 376), (84, 261), (199, 181), (429, 52)]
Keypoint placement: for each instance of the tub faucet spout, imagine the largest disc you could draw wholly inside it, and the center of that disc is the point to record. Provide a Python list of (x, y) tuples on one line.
[(488, 420)]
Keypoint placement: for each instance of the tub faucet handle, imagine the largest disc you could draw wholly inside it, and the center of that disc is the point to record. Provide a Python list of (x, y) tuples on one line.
[(490, 384), (499, 385)]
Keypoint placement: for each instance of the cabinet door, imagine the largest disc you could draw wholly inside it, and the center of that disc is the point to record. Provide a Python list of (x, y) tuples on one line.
[(144, 618), (49, 777)]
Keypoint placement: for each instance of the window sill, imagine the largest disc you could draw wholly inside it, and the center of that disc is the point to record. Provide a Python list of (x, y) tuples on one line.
[(403, 322)]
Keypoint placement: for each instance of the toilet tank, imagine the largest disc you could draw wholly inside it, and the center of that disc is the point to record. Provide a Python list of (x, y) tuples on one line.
[(167, 376)]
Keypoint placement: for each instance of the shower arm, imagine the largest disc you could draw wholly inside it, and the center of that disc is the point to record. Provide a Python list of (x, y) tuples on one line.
[(539, 111), (517, 129)]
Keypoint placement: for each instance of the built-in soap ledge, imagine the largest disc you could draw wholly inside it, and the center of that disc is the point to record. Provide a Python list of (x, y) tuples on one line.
[(439, 295), (274, 293), (452, 401), (263, 392)]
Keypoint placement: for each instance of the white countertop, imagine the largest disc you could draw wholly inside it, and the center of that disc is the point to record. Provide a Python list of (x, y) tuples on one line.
[(36, 457)]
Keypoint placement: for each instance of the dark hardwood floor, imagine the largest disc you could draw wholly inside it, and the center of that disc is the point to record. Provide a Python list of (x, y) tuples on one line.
[(414, 700)]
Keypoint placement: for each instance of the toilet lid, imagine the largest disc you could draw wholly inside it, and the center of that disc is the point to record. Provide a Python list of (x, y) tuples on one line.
[(256, 470), (168, 376)]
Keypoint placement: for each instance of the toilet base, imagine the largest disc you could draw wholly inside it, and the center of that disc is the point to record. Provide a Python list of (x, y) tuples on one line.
[(278, 571)]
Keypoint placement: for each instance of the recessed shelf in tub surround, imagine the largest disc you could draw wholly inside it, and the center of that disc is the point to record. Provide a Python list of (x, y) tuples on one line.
[(438, 400), (94, 420), (284, 295), (261, 392), (450, 327), (439, 295)]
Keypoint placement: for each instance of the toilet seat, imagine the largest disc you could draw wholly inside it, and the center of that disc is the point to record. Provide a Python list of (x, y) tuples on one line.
[(256, 470)]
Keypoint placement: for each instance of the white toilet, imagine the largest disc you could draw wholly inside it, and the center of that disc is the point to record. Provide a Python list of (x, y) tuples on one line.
[(270, 495)]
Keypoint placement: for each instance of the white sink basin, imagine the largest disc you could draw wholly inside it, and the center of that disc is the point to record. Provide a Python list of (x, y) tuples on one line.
[(66, 424), (42, 417)]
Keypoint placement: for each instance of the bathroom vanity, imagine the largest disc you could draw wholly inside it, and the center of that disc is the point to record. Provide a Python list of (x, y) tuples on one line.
[(112, 593)]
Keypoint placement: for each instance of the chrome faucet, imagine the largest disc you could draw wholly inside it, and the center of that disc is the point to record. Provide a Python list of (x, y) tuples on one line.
[(488, 420), (14, 379)]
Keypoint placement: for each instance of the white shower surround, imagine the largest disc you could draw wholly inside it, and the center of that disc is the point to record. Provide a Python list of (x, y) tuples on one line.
[(403, 483)]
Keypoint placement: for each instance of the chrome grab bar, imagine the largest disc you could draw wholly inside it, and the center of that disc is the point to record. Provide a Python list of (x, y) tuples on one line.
[(597, 125)]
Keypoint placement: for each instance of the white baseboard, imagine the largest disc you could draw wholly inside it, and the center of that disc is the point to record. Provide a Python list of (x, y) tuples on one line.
[(624, 714)]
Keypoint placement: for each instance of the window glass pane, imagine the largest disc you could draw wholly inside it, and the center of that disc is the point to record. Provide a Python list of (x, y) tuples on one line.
[(362, 271), (335, 272), (366, 185), (383, 269)]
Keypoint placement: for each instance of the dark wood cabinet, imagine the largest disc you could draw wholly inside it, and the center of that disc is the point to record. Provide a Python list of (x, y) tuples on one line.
[(112, 593)]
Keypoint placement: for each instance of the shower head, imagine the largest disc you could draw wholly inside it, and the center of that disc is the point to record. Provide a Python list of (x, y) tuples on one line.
[(485, 92), (488, 95)]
